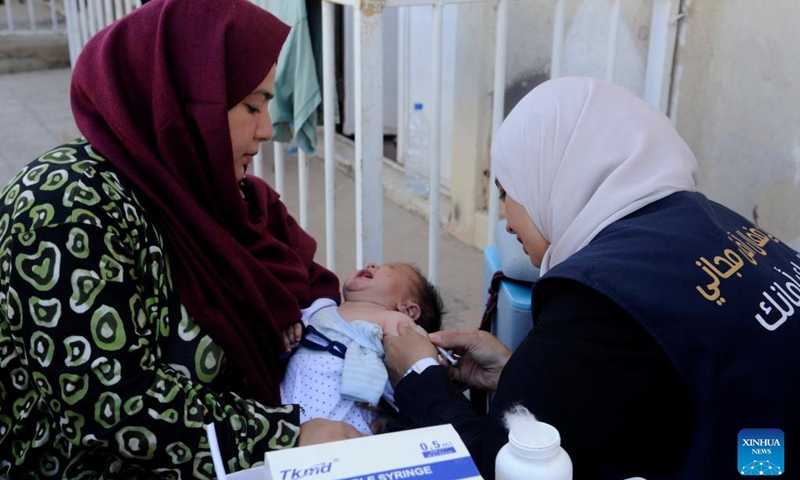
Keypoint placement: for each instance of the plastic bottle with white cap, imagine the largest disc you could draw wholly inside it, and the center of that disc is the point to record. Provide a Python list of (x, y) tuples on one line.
[(533, 450)]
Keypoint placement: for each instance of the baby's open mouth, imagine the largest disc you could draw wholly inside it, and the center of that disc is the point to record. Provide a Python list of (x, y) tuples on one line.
[(364, 273)]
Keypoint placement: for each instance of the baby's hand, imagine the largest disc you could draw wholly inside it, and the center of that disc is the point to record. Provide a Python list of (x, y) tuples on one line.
[(291, 335), (379, 425), (367, 406)]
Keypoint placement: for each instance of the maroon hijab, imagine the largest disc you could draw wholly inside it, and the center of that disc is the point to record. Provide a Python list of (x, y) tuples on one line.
[(151, 94)]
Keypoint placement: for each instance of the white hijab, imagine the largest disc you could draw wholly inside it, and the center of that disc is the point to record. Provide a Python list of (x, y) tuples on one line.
[(580, 153)]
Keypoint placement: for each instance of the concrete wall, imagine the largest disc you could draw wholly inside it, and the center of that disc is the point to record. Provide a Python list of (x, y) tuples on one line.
[(734, 95), (530, 33), (736, 101), (585, 44)]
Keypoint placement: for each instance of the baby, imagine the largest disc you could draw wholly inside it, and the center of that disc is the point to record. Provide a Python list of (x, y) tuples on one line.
[(348, 387)]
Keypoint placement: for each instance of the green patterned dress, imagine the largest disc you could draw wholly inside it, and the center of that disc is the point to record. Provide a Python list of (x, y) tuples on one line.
[(103, 374)]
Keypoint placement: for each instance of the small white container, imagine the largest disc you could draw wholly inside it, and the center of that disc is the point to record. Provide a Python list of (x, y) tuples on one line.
[(533, 452)]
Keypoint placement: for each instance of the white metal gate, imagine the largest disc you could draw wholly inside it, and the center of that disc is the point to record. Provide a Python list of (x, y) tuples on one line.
[(85, 17), (32, 17)]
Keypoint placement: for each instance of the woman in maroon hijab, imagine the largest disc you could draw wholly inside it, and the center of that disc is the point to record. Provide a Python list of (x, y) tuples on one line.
[(145, 280)]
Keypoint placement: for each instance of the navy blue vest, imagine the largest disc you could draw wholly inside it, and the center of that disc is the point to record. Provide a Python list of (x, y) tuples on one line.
[(722, 298)]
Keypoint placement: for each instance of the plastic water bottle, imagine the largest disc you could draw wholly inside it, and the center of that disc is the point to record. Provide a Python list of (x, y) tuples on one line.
[(533, 450), (417, 154), (291, 147)]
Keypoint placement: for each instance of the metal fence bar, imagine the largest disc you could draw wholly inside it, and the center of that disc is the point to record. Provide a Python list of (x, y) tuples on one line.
[(403, 94), (9, 16), (498, 106), (91, 17), (328, 91), (436, 147), (302, 181), (31, 14), (558, 39), (108, 8), (84, 28), (368, 19), (660, 53), (613, 34), (73, 34), (53, 16), (279, 167)]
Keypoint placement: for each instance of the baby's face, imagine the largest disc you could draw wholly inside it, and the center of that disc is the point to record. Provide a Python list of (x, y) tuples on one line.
[(386, 284)]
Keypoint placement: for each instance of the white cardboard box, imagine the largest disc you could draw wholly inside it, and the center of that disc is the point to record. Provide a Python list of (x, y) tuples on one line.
[(433, 453)]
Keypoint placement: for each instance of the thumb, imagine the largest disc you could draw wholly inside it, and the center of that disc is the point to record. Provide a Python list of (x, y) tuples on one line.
[(458, 340), (410, 328)]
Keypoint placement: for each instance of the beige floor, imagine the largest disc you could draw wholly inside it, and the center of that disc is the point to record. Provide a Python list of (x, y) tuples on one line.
[(35, 116)]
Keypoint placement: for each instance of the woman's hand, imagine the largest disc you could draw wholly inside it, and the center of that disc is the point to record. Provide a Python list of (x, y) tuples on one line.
[(403, 350), (292, 334), (482, 356), (391, 321), (319, 430)]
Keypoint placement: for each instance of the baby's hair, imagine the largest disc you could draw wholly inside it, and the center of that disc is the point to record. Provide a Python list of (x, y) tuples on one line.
[(430, 302)]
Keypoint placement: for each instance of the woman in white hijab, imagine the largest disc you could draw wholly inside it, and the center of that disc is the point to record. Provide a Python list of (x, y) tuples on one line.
[(650, 319), (579, 154)]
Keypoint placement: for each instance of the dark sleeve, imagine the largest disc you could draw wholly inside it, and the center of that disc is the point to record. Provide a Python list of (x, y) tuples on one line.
[(430, 398), (588, 369), (594, 373)]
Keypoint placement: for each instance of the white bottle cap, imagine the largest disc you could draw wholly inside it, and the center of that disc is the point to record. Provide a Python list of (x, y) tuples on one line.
[(537, 440), (529, 437)]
